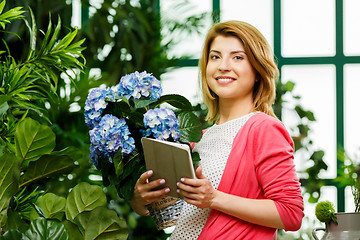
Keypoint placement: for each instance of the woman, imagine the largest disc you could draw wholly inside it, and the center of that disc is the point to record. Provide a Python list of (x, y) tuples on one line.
[(247, 186)]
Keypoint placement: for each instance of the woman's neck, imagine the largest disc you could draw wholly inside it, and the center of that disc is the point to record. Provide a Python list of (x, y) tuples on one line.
[(230, 109)]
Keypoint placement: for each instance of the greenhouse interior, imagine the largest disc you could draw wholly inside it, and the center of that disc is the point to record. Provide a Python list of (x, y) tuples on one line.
[(54, 54)]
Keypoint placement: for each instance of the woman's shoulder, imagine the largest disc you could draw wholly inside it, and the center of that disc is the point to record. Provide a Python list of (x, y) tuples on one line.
[(264, 120), (263, 125)]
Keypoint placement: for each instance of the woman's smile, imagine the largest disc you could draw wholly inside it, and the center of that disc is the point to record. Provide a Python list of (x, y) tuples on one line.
[(225, 79)]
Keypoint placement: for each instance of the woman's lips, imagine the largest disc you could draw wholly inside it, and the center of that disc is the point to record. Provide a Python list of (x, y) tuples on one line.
[(224, 80)]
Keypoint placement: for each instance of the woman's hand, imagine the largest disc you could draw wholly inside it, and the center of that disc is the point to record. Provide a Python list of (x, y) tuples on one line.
[(198, 192), (144, 194)]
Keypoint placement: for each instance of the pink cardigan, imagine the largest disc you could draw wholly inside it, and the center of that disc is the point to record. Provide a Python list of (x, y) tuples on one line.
[(260, 166)]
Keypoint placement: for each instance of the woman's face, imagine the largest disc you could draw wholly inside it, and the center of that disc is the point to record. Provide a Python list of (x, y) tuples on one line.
[(229, 73)]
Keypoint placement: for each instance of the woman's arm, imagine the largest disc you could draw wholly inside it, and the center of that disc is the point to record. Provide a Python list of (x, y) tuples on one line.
[(200, 193), (258, 211), (144, 194)]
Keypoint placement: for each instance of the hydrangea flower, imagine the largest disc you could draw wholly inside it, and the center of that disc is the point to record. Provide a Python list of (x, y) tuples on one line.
[(138, 84), (95, 104), (110, 135), (161, 123)]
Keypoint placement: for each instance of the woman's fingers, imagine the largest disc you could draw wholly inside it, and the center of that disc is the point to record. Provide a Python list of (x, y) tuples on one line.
[(198, 192), (145, 176), (146, 185), (145, 189)]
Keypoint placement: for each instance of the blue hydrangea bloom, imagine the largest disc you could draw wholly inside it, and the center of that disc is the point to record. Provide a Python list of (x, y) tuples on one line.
[(138, 84), (110, 135), (95, 104), (161, 123)]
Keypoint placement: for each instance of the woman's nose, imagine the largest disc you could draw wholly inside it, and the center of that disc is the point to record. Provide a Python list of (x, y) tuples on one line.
[(224, 65)]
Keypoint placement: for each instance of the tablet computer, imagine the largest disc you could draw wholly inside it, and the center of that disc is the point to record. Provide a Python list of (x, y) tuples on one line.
[(169, 160)]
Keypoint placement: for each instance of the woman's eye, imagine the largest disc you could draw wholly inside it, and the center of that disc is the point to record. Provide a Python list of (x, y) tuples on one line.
[(214, 57), (238, 57)]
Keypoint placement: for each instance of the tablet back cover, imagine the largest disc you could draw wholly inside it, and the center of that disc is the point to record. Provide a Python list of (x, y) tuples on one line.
[(170, 161)]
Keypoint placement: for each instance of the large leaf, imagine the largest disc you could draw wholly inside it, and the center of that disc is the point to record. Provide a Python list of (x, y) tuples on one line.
[(190, 127), (43, 229), (73, 230), (176, 100), (48, 165), (9, 177), (84, 197), (101, 223), (12, 234), (52, 206), (32, 140)]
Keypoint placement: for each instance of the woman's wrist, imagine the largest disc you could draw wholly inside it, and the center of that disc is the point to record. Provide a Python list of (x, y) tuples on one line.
[(139, 208), (216, 201)]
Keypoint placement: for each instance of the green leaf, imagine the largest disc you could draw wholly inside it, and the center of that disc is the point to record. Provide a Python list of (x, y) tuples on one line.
[(318, 155), (73, 230), (32, 30), (47, 166), (84, 197), (303, 130), (33, 140), (55, 36), (310, 115), (9, 16), (140, 103), (175, 100), (12, 234), (53, 206), (101, 223), (66, 40), (304, 114), (43, 229), (3, 108), (289, 86), (190, 127), (195, 157), (118, 163), (132, 171), (126, 187), (2, 5), (131, 165), (9, 176), (46, 38)]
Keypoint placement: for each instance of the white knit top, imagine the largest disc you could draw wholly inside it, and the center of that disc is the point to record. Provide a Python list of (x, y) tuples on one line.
[(214, 149)]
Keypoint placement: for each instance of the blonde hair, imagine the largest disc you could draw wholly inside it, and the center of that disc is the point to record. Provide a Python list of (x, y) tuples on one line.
[(261, 58)]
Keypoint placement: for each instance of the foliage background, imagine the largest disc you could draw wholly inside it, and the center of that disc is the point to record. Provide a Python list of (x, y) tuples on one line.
[(120, 38)]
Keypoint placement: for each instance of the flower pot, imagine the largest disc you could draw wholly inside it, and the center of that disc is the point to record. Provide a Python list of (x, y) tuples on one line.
[(348, 228), (165, 212)]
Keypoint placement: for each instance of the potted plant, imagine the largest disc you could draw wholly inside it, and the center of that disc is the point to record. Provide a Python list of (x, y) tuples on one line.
[(119, 116), (342, 225)]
